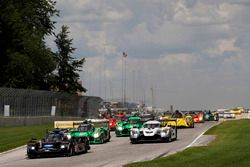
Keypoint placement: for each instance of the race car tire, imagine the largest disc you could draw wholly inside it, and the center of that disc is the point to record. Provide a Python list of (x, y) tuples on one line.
[(108, 140), (168, 139), (133, 141), (175, 134), (109, 136), (192, 126), (70, 151), (216, 118), (86, 148), (102, 141), (31, 156)]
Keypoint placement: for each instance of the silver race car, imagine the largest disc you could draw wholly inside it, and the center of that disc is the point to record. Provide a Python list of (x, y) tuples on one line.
[(227, 115), (154, 131)]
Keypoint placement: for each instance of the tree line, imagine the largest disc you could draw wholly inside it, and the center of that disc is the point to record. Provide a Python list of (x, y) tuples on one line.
[(25, 59)]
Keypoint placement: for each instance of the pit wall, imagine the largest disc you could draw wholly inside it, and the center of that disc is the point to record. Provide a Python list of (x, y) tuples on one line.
[(28, 121)]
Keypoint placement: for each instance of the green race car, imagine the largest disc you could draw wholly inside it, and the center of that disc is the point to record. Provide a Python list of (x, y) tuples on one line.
[(211, 116), (97, 130), (123, 128)]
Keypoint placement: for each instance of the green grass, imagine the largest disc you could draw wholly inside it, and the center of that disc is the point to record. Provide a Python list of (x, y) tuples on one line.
[(230, 149), (12, 137)]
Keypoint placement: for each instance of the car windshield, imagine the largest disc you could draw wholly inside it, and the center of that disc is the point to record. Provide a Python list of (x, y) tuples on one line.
[(177, 115), (54, 137), (133, 121), (83, 128), (192, 113), (152, 126), (167, 114)]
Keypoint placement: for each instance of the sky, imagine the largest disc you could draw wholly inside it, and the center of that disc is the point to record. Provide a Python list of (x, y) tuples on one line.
[(192, 54)]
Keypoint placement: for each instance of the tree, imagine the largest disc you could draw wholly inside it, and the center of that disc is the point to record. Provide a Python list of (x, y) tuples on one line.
[(67, 77), (25, 60)]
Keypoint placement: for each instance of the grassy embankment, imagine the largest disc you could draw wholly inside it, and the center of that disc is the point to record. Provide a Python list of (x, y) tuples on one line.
[(12, 137), (230, 149)]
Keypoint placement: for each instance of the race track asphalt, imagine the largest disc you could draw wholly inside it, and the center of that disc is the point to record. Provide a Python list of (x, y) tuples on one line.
[(117, 152)]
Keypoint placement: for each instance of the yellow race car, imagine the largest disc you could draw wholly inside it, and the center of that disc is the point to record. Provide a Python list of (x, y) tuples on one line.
[(166, 122), (238, 110), (166, 116), (183, 120)]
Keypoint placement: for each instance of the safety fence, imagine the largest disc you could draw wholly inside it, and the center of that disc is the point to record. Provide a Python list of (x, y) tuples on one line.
[(29, 103)]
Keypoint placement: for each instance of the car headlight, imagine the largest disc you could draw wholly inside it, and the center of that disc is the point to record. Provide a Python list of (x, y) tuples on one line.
[(134, 132), (163, 133), (166, 131), (200, 118), (96, 135), (63, 146), (110, 124), (32, 148), (69, 137), (119, 128)]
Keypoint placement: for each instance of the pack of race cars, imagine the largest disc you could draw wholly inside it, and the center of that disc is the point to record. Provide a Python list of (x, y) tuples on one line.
[(70, 137), (74, 137)]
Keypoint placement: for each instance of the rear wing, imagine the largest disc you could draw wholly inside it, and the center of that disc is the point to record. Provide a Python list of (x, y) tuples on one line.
[(66, 124), (168, 122), (126, 117), (96, 122), (172, 122), (147, 117), (99, 122)]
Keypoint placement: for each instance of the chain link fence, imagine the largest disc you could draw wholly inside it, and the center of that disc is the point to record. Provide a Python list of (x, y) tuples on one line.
[(29, 103)]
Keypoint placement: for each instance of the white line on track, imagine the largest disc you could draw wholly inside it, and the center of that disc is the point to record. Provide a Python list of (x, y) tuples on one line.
[(195, 139), (201, 135)]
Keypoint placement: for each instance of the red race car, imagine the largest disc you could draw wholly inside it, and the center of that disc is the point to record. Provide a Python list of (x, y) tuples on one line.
[(198, 116), (113, 121)]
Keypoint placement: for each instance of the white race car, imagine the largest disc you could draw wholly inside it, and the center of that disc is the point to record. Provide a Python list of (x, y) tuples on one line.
[(153, 131), (227, 115)]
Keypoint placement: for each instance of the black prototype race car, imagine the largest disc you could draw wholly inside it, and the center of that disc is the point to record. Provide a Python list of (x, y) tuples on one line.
[(57, 143)]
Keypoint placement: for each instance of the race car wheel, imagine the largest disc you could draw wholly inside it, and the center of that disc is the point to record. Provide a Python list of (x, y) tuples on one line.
[(169, 139), (109, 136), (70, 151), (102, 141), (86, 148), (191, 125), (133, 141), (31, 156), (175, 134), (216, 118)]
